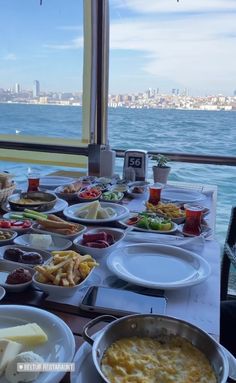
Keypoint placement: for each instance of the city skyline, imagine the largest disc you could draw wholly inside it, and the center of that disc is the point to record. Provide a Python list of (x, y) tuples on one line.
[(161, 44), (36, 90)]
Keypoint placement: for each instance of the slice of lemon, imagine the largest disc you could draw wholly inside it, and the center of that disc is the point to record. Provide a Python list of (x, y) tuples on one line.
[(166, 226)]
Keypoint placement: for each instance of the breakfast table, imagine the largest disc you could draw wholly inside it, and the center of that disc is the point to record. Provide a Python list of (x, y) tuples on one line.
[(198, 304)]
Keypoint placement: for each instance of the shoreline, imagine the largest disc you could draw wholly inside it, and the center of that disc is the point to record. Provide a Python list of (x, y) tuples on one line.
[(118, 107)]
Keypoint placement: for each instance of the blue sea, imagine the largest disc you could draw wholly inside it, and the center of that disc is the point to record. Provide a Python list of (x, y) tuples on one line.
[(184, 131)]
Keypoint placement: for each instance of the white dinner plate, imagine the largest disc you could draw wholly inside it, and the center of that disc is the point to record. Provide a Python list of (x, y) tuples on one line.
[(60, 346), (172, 230), (85, 370), (181, 195), (57, 244), (158, 266), (52, 182), (120, 212), (60, 205)]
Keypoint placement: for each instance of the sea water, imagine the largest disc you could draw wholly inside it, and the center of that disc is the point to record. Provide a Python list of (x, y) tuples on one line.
[(177, 131)]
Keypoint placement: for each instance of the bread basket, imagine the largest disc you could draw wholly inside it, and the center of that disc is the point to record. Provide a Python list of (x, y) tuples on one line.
[(5, 193)]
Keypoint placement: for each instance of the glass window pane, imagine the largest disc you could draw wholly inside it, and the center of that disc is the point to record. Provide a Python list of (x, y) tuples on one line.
[(172, 66), (41, 68), (172, 88)]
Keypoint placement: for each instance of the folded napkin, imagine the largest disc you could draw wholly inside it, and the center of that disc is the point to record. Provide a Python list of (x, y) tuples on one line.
[(194, 244)]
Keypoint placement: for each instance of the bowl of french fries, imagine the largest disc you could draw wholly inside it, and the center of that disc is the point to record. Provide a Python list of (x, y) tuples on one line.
[(64, 274), (167, 210)]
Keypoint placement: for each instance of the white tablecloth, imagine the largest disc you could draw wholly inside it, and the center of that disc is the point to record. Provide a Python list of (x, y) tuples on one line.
[(199, 304)]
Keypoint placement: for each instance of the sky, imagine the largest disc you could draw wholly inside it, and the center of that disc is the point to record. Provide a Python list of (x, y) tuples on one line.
[(165, 44)]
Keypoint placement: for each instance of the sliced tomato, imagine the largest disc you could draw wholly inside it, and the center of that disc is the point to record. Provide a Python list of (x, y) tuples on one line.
[(133, 220), (26, 224), (5, 224)]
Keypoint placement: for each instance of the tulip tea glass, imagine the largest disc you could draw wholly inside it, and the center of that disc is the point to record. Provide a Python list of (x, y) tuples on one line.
[(33, 181), (192, 225), (155, 193)]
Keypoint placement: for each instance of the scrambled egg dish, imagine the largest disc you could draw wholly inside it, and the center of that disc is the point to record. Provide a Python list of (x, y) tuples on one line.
[(147, 360)]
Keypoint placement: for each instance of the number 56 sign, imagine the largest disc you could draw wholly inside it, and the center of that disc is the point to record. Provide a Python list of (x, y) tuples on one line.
[(137, 159)]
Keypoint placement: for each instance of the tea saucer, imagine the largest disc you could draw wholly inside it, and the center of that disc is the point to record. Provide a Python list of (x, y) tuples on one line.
[(206, 232)]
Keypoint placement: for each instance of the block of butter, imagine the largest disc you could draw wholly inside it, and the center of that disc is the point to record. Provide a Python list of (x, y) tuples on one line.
[(29, 334), (8, 351)]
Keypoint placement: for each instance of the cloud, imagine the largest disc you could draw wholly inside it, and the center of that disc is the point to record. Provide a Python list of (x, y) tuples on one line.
[(194, 50), (173, 6), (10, 57), (76, 43)]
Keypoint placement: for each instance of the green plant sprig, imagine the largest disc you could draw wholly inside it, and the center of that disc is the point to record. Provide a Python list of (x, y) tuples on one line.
[(161, 160)]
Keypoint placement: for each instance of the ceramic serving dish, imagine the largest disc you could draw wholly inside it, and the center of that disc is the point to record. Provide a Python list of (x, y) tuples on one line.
[(38, 201), (6, 267), (96, 252)]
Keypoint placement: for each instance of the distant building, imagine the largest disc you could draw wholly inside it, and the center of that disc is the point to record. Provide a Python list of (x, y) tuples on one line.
[(36, 89), (17, 88), (235, 92)]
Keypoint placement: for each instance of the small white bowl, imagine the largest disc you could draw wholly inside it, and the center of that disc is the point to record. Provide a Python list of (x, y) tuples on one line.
[(69, 197), (59, 291), (123, 188), (7, 267), (2, 292), (84, 199), (36, 228), (58, 243), (120, 196), (95, 252), (8, 240)]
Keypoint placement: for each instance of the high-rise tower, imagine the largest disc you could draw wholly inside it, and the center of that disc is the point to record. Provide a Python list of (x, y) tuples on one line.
[(17, 88), (36, 88)]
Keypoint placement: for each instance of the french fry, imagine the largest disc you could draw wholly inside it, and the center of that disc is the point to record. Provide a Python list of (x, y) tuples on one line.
[(58, 266), (58, 277), (45, 273), (65, 282), (70, 273)]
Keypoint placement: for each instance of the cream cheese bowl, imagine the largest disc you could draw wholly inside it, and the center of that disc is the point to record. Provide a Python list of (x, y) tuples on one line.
[(155, 326)]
